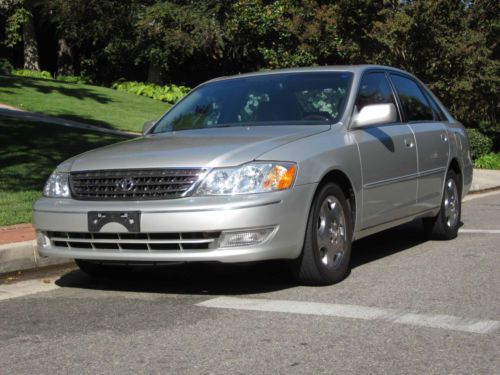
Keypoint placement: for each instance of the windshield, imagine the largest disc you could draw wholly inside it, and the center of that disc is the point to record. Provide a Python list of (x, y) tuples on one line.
[(270, 99)]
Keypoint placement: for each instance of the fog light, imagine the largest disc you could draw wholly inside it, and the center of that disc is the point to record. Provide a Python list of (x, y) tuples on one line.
[(41, 239), (249, 237)]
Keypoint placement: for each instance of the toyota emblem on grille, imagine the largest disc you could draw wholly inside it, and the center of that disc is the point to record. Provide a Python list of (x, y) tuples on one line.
[(126, 184)]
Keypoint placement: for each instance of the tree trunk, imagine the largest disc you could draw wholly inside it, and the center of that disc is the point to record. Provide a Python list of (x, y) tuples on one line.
[(154, 73), (64, 59), (30, 45)]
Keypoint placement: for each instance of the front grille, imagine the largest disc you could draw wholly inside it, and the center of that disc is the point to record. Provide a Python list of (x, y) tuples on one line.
[(148, 242), (133, 184)]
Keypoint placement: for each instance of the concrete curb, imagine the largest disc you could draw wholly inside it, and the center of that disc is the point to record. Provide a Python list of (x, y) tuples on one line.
[(20, 256)]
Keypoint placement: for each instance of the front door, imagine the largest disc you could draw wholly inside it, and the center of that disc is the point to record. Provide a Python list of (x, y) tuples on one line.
[(388, 159)]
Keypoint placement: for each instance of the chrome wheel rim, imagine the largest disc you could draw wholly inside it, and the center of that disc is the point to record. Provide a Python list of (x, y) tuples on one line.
[(451, 203), (331, 232)]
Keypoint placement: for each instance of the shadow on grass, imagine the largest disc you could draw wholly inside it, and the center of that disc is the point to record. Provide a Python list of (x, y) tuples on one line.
[(60, 117), (30, 151), (47, 87)]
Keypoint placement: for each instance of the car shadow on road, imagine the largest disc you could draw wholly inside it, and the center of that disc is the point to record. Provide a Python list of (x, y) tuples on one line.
[(194, 278), (387, 243), (227, 279)]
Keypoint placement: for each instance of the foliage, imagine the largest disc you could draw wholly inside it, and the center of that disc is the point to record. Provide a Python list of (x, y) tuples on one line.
[(488, 161), (174, 35), (73, 79), (88, 104), (6, 67), (443, 43), (31, 73), (46, 75), (100, 34), (16, 16), (169, 93), (479, 143)]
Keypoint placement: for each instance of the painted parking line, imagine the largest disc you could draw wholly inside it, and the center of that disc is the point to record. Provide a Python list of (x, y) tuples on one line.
[(448, 322), (484, 231), (25, 288)]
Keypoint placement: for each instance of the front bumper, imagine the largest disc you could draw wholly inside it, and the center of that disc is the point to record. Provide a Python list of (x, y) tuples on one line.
[(285, 211)]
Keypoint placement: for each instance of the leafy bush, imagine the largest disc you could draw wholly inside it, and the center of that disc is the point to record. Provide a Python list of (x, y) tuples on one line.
[(170, 94), (31, 73), (73, 79), (479, 143), (6, 67), (488, 161)]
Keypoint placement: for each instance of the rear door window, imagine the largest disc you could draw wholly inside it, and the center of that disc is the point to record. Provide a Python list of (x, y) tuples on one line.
[(415, 105)]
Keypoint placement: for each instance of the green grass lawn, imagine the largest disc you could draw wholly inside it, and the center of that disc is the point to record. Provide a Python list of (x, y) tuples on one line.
[(29, 151), (85, 103)]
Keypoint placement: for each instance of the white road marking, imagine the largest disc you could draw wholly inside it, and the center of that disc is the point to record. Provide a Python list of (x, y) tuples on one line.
[(24, 288), (486, 231), (448, 322)]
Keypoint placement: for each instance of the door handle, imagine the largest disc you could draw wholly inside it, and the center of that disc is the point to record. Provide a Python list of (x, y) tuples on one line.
[(409, 143), (444, 137)]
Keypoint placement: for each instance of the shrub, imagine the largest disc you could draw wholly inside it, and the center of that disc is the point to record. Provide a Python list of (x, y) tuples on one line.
[(170, 93), (479, 143), (488, 161), (6, 67), (73, 79), (32, 73)]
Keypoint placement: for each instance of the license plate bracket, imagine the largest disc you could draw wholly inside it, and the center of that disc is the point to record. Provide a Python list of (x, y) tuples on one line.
[(129, 219)]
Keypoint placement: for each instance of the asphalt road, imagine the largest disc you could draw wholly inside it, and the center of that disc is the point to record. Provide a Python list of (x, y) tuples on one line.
[(409, 306)]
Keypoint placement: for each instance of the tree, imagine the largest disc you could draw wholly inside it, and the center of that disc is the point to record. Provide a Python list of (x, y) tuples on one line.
[(95, 38), (20, 27), (434, 40), (178, 39)]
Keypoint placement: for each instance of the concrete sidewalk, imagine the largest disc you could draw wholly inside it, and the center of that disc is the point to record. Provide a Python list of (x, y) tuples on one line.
[(484, 180), (18, 245)]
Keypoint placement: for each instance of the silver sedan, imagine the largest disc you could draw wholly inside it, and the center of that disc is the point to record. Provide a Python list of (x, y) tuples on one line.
[(290, 164)]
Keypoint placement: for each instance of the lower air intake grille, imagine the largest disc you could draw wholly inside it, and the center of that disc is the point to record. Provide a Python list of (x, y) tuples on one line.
[(149, 242)]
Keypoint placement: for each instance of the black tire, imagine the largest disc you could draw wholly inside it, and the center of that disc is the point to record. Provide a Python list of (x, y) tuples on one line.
[(314, 267), (99, 270), (443, 226)]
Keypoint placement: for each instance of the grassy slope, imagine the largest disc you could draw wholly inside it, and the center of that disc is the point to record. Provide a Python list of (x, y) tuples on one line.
[(89, 104), (29, 152)]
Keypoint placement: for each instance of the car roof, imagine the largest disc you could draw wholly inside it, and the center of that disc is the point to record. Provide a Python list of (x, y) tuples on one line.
[(356, 69)]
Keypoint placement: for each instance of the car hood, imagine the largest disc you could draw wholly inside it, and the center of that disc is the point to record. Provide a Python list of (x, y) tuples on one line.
[(216, 147)]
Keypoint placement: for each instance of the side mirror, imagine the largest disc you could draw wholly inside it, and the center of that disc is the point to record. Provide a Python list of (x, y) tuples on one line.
[(147, 126), (375, 114)]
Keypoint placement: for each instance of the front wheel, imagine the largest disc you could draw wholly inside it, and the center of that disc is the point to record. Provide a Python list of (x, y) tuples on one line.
[(327, 247), (446, 223)]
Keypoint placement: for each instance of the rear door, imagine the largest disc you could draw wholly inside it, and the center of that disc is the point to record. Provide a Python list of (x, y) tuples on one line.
[(427, 123), (388, 158)]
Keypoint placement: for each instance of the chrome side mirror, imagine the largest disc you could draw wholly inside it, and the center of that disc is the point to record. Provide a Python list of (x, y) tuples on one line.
[(147, 126), (375, 114)]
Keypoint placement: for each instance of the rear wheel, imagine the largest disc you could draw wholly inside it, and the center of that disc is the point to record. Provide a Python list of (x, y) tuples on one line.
[(446, 223), (327, 247), (95, 269)]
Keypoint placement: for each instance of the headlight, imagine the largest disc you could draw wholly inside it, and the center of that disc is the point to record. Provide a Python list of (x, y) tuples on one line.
[(57, 185), (250, 178)]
